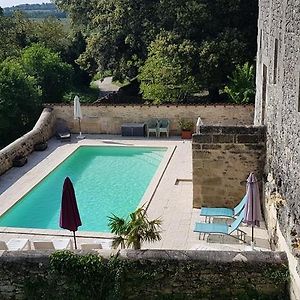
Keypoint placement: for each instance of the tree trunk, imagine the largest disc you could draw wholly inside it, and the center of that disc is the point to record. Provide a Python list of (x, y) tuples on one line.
[(214, 94), (137, 244)]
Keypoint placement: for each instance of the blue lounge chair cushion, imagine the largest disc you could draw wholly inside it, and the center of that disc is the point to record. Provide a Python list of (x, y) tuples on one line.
[(216, 211), (211, 228), (222, 211)]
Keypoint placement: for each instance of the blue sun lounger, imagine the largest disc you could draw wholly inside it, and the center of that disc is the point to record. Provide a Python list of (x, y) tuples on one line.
[(222, 228), (210, 212)]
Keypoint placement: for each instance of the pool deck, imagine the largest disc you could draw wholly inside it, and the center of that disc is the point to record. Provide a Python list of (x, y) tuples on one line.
[(171, 196)]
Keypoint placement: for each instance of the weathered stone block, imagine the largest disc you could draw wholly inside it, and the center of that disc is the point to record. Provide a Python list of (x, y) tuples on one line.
[(202, 138), (249, 138), (210, 129), (201, 154), (211, 147), (227, 138)]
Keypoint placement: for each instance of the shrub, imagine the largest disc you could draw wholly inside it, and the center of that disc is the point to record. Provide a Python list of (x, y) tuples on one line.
[(167, 75), (241, 86), (52, 74), (20, 101)]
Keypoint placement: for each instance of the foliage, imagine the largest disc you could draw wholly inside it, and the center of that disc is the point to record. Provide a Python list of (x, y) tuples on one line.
[(52, 33), (78, 277), (168, 73), (135, 231), (186, 124), (18, 32), (72, 276), (52, 75), (217, 59), (20, 101), (76, 45), (86, 95), (241, 86), (119, 33), (14, 35)]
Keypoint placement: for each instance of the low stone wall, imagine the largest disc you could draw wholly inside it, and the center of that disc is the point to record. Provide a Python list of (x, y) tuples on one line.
[(151, 274), (42, 131), (109, 118), (223, 157)]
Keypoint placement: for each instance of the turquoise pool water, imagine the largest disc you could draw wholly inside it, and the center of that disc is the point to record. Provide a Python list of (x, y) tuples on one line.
[(106, 180)]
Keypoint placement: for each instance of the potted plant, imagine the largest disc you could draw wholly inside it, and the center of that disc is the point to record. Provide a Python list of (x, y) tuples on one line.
[(186, 127), (19, 160), (135, 230), (40, 146)]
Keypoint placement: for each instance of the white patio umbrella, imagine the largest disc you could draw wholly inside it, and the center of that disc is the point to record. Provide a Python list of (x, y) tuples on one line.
[(78, 115)]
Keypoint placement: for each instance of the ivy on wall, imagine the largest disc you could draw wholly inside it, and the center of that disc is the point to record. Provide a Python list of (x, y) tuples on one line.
[(80, 277)]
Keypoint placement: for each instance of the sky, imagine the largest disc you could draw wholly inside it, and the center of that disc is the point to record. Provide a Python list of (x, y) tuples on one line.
[(8, 3)]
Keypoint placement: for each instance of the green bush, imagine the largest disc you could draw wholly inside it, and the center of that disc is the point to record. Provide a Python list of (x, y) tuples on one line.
[(20, 101), (241, 86), (52, 74), (167, 75)]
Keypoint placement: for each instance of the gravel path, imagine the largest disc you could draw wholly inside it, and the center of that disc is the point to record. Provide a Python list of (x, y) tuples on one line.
[(106, 86)]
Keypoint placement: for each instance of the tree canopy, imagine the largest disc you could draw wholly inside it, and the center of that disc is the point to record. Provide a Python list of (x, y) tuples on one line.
[(168, 73), (120, 32), (52, 74), (20, 100)]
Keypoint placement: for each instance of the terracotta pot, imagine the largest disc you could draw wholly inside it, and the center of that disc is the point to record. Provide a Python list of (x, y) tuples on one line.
[(40, 146), (19, 161), (186, 134)]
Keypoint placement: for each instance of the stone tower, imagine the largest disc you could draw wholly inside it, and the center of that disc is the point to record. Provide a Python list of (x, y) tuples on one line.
[(278, 108)]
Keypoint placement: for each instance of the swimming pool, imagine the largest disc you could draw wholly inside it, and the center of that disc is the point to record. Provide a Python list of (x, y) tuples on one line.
[(106, 180)]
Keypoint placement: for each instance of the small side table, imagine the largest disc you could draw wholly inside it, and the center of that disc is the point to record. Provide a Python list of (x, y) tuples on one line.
[(133, 129)]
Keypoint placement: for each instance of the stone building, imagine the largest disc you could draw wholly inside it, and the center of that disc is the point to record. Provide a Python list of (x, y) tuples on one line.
[(271, 148), (277, 107)]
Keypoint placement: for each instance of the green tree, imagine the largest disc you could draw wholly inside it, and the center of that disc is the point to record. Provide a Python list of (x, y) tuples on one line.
[(52, 33), (241, 86), (168, 73), (217, 59), (52, 74), (20, 101), (119, 33), (134, 231)]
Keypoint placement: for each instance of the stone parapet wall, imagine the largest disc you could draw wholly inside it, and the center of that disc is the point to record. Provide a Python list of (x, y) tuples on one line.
[(24, 145), (109, 118), (155, 274), (223, 157)]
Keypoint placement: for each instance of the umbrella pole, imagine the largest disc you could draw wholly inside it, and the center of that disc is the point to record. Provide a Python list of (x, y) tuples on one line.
[(79, 126), (252, 231), (74, 239)]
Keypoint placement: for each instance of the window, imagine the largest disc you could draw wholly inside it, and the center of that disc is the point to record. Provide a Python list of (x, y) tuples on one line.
[(264, 94), (275, 61)]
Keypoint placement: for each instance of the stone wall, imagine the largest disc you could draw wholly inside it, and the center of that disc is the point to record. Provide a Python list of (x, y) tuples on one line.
[(153, 274), (223, 157), (279, 109), (42, 131), (109, 118)]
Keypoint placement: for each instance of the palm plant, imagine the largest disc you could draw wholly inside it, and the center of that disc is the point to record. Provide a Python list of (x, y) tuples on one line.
[(135, 230), (241, 86)]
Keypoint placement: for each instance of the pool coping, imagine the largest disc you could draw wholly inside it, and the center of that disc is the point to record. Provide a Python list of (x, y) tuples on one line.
[(20, 188)]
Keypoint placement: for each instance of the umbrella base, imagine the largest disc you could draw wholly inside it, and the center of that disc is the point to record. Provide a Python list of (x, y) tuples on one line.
[(80, 136), (251, 247)]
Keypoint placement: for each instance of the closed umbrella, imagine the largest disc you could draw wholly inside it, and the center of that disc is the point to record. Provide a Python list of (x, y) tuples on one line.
[(69, 214), (253, 215), (78, 115)]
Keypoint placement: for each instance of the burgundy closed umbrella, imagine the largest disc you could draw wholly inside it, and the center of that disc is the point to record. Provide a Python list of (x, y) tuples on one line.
[(252, 209), (69, 214)]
